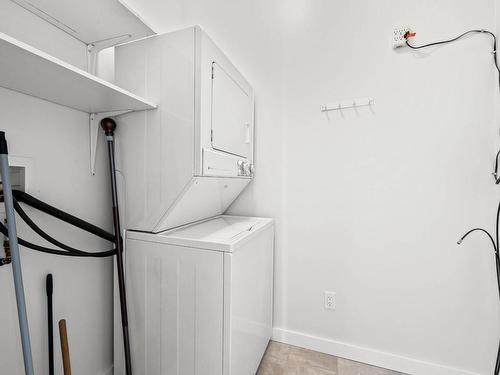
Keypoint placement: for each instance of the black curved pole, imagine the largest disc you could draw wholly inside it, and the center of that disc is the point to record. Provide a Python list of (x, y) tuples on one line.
[(109, 126)]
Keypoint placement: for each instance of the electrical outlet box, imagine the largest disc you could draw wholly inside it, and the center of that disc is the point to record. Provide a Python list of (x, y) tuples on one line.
[(398, 38), (20, 176), (330, 300)]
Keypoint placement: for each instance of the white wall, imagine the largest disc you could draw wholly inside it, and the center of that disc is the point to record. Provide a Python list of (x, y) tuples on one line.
[(368, 204), (55, 142), (376, 200), (371, 203)]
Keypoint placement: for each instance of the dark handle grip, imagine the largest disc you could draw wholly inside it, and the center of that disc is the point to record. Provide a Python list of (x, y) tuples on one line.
[(3, 144), (49, 285)]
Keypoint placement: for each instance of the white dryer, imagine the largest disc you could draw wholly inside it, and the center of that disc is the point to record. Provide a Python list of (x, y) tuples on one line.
[(192, 156), (201, 297)]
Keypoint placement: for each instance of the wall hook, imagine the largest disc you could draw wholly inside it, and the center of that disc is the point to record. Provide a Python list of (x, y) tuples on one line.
[(336, 106)]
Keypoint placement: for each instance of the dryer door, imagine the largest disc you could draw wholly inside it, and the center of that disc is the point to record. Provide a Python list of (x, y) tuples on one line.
[(232, 109)]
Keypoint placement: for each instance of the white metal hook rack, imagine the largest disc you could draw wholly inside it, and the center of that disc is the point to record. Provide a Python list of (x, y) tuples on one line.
[(344, 104)]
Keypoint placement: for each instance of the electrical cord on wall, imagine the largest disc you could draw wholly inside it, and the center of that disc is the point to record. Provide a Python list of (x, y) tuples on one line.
[(495, 242), (475, 31), (495, 172)]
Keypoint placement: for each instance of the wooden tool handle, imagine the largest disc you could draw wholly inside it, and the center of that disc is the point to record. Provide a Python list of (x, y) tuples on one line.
[(63, 333)]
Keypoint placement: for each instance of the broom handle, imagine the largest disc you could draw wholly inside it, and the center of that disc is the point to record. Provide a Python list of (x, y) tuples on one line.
[(50, 321), (63, 333)]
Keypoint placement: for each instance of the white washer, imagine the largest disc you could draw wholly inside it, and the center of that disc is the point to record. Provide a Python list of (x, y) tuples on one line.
[(200, 297)]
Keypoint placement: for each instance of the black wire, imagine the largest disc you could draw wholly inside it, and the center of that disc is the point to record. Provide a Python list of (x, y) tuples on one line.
[(481, 230), (476, 31), (43, 234), (495, 59), (495, 173), (496, 242), (497, 264), (497, 366)]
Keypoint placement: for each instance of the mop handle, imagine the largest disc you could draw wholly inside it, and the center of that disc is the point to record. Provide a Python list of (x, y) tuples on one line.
[(63, 334), (50, 321), (16, 262)]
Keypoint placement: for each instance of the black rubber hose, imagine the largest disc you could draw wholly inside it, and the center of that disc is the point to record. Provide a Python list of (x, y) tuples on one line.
[(23, 197), (47, 250), (41, 233)]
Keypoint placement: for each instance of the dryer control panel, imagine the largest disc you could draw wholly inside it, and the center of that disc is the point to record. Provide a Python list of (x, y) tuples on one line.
[(245, 168)]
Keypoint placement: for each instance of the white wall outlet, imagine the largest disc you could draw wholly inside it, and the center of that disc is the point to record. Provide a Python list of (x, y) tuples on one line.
[(398, 38), (330, 300)]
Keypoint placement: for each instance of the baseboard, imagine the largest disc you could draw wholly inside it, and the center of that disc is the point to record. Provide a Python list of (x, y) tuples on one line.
[(372, 357)]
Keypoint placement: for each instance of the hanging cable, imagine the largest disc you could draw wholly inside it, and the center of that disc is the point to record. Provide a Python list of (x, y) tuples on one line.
[(497, 262), (495, 172), (475, 31), (481, 230), (495, 242)]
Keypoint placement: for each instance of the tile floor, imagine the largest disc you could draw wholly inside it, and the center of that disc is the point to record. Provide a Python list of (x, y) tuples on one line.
[(282, 359)]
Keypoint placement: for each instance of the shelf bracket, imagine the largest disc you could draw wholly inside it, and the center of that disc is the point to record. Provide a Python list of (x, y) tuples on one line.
[(94, 48), (94, 122)]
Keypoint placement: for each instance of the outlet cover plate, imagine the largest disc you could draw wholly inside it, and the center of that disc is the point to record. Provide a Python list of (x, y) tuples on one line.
[(330, 300), (398, 38)]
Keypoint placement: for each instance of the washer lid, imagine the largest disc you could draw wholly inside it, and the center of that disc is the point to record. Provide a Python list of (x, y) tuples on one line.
[(222, 233)]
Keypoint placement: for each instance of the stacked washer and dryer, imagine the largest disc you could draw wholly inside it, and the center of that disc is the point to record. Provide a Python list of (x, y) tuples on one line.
[(199, 283)]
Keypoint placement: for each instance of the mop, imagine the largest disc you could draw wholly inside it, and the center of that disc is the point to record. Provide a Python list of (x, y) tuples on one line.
[(16, 262)]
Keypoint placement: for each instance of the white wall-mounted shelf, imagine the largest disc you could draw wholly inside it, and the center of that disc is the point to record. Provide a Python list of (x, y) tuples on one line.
[(33, 72), (90, 21)]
